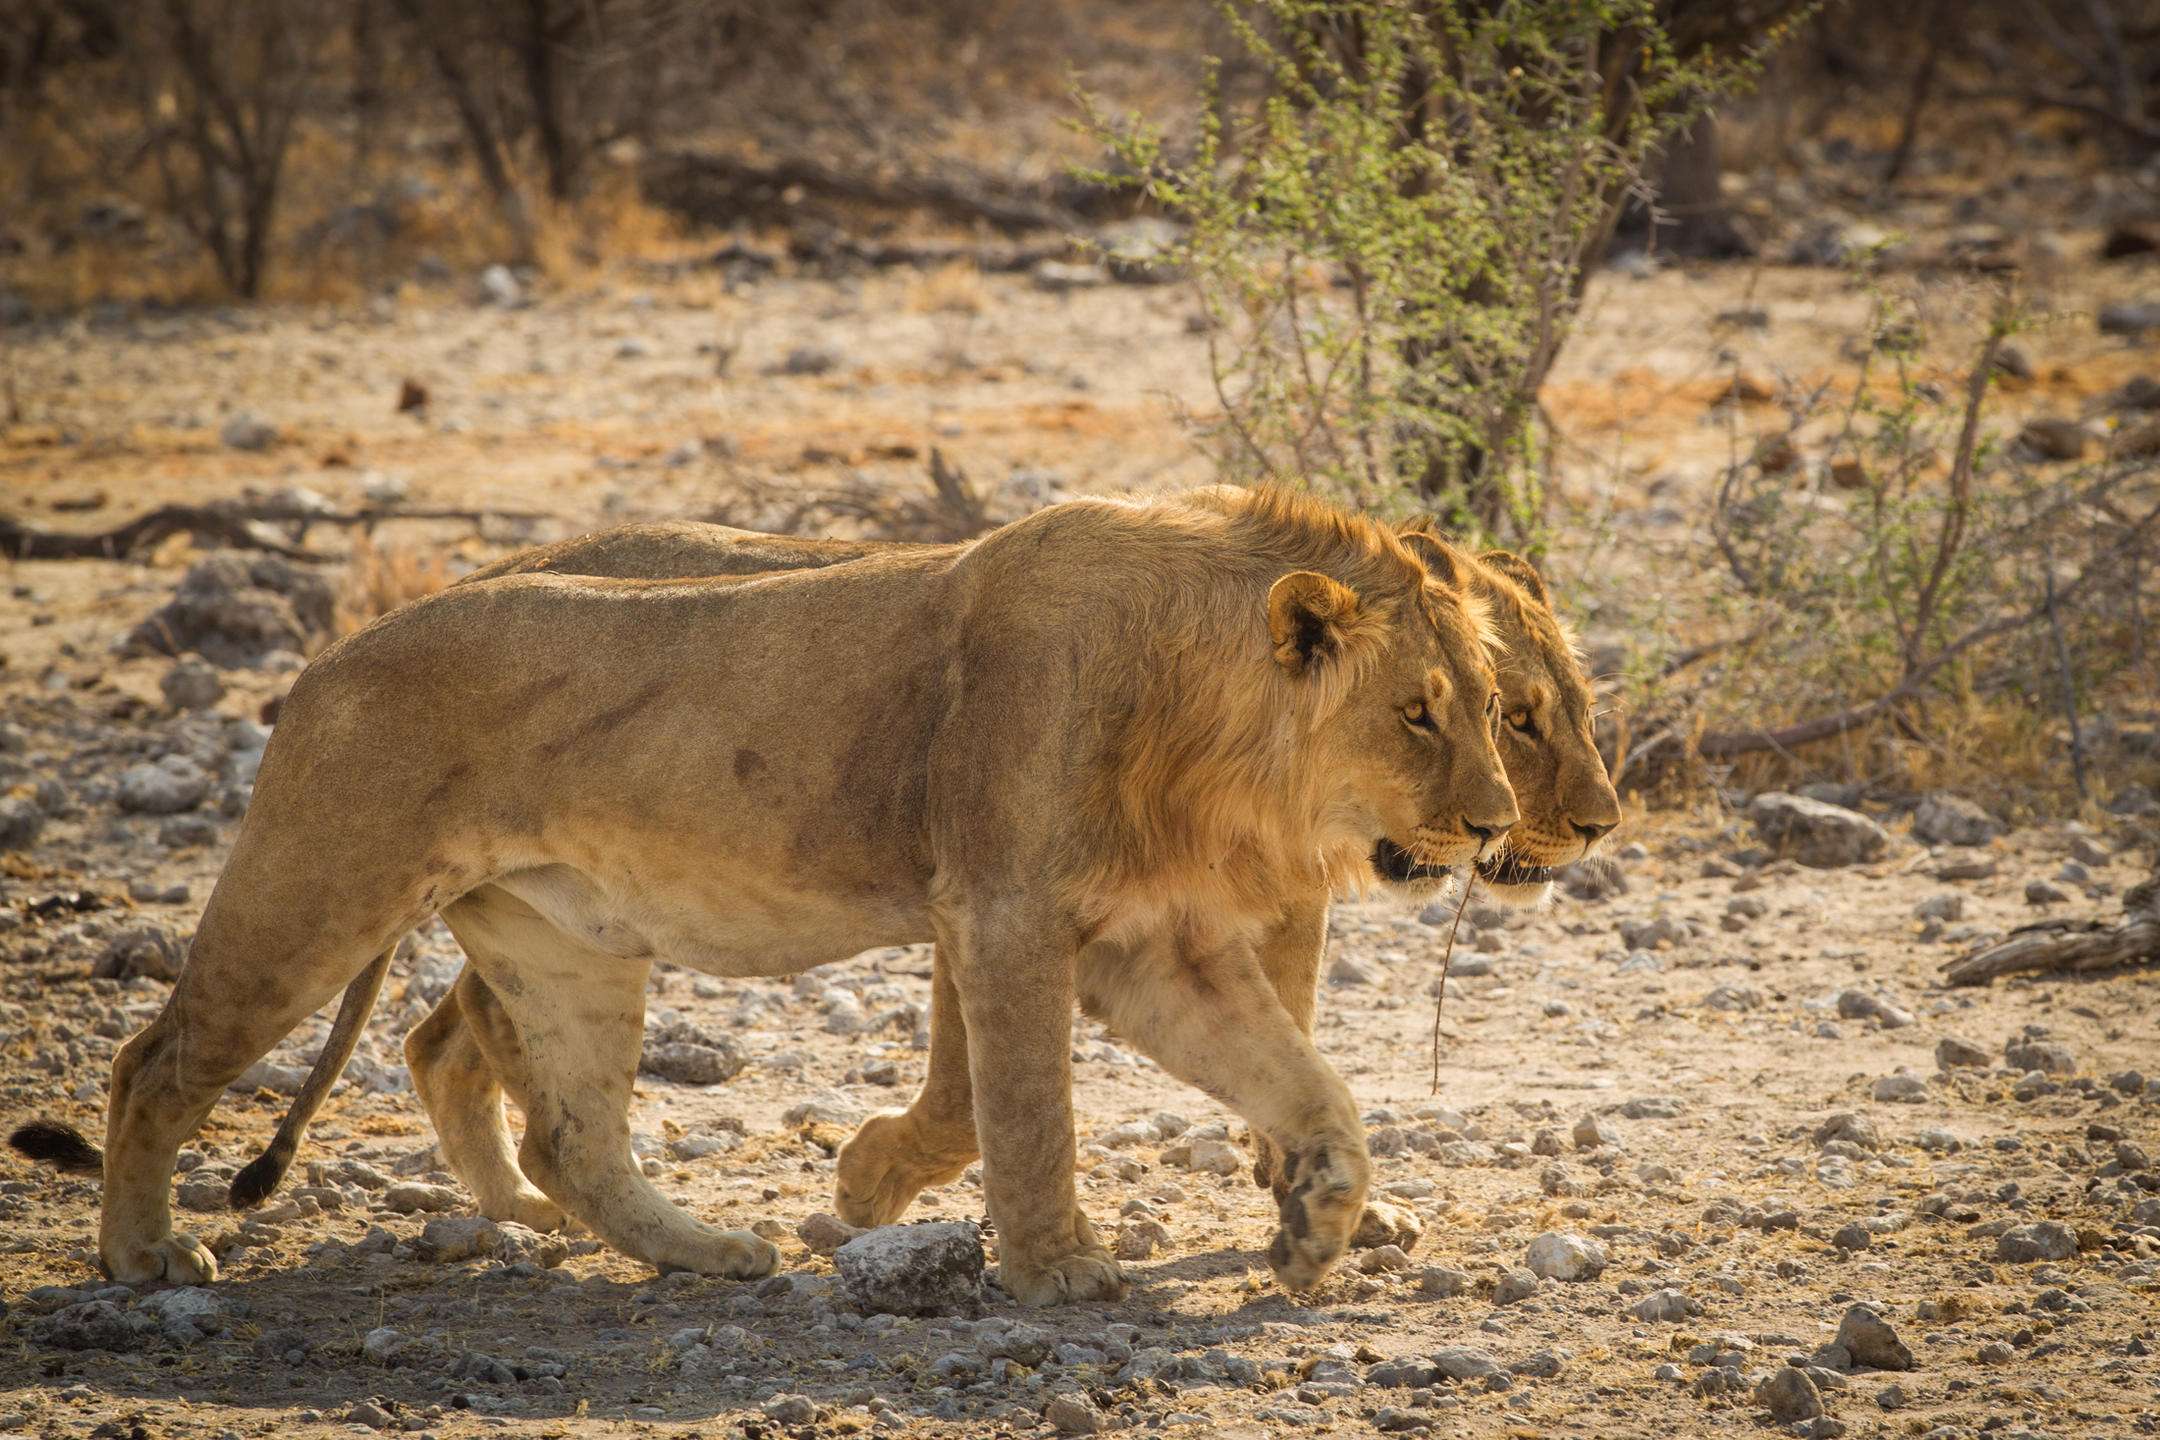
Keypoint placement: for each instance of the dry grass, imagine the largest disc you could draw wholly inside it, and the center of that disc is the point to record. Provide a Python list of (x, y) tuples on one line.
[(384, 576), (954, 288)]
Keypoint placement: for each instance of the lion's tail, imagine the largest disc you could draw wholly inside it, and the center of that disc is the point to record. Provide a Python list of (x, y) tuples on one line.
[(60, 1146), (254, 1183)]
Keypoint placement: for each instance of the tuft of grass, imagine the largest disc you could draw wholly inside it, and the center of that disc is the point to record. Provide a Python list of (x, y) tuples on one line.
[(384, 576)]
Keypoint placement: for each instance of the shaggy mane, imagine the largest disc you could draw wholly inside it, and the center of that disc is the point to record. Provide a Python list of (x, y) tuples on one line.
[(1211, 808)]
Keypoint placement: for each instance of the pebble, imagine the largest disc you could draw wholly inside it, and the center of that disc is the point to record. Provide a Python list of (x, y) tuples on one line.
[(2042, 1240), (413, 1197), (1517, 1284), (1951, 1053), (1789, 1395), (927, 1269), (1562, 1255), (825, 1233), (1900, 1089), (1871, 1342), (166, 787), (192, 684), (244, 432), (2040, 892), (1591, 1132), (1667, 1306), (1212, 1157), (1818, 835), (1071, 1414), (2049, 1058), (1945, 819), (1461, 1362)]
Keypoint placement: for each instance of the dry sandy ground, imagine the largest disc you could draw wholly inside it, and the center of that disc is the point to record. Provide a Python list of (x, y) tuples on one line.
[(1707, 1043)]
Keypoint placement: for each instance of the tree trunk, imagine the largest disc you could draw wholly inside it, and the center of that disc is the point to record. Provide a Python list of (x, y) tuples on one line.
[(480, 137)]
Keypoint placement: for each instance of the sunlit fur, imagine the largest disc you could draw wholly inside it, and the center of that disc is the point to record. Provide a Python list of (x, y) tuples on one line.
[(1558, 776), (1221, 795)]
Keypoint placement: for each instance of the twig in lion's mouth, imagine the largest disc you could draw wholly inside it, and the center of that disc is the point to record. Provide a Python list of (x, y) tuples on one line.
[(1447, 956)]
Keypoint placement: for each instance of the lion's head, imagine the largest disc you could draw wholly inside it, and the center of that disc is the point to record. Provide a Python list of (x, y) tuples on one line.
[(1561, 786), (1352, 727)]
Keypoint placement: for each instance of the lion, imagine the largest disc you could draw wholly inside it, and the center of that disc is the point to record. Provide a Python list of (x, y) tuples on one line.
[(1085, 755), (1566, 801)]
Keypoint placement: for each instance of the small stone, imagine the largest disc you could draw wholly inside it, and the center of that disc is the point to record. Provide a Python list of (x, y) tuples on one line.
[(1461, 1362), (2040, 892), (1443, 1282), (1384, 1260), (1666, 1307), (2049, 1058), (1789, 1395), (791, 1410), (369, 1414), (1071, 1414), (1871, 1342), (694, 1062), (1893, 1397), (825, 1233), (244, 432), (1562, 1255), (1900, 1089), (2129, 317), (1996, 1352), (451, 1238), (1945, 819), (1816, 834), (1347, 970), (1952, 1053), (21, 821), (149, 949), (2042, 1240), (415, 1198), (93, 1325), (500, 288), (168, 787), (192, 684), (926, 1269), (1139, 1239), (1212, 1157), (1517, 1284), (1385, 1224), (1591, 1133), (381, 1345), (1852, 1237), (1062, 275), (2054, 437)]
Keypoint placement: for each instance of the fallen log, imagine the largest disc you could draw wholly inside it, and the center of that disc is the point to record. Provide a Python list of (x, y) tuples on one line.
[(242, 526), (2070, 947)]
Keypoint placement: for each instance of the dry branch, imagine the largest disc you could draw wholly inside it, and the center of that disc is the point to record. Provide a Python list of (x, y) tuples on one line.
[(241, 526), (2070, 947)]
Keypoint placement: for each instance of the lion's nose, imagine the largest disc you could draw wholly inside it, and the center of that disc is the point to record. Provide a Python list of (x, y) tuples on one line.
[(1592, 832), (1487, 833)]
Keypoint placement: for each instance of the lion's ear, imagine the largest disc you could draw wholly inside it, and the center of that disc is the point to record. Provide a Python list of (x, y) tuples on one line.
[(1441, 561), (1310, 619), (1519, 570)]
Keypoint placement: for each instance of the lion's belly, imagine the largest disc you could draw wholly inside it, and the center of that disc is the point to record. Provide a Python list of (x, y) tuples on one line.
[(721, 928)]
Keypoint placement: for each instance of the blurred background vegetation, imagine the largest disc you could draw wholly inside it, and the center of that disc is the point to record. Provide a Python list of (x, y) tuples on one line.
[(1389, 213)]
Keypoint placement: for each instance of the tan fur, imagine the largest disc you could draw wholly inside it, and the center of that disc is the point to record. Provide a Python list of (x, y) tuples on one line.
[(585, 775), (1558, 776)]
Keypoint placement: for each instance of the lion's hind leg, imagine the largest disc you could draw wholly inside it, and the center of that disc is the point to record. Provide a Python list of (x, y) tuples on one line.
[(579, 1016), (227, 1011), (463, 1057)]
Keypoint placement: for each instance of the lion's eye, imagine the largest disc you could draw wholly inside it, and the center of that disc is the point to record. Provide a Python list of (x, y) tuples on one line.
[(1416, 714), (1521, 720)]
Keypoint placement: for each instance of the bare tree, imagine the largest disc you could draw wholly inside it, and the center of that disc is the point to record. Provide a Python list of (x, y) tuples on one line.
[(219, 85)]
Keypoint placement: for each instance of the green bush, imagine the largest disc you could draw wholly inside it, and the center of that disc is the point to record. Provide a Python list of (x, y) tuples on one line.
[(1389, 239)]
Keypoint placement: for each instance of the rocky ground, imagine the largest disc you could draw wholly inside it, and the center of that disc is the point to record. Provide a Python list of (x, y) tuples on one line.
[(1712, 1146)]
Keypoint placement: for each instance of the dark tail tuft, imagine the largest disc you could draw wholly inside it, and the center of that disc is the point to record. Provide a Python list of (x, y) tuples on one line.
[(55, 1144), (258, 1178)]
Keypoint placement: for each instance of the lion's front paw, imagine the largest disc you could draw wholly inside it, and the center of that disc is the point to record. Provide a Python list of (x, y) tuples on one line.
[(1065, 1279), (531, 1209), (885, 1166), (181, 1259), (1321, 1200)]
